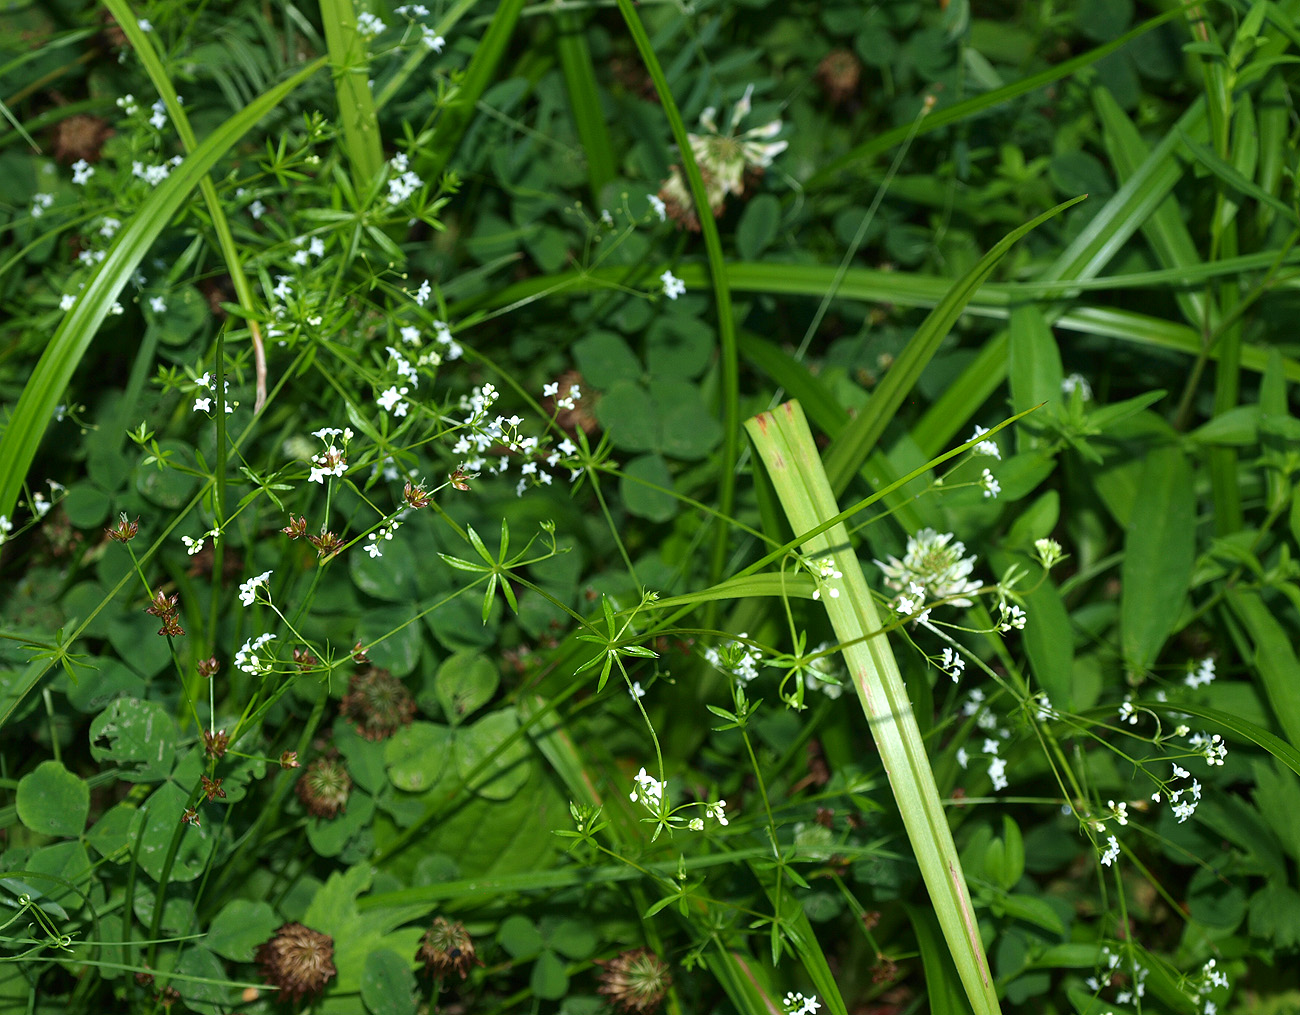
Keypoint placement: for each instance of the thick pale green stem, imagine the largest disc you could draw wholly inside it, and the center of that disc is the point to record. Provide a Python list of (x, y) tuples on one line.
[(786, 447)]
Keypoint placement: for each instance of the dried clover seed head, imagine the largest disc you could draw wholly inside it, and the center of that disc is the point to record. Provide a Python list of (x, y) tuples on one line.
[(446, 947), (324, 786), (377, 703), (298, 960), (636, 981)]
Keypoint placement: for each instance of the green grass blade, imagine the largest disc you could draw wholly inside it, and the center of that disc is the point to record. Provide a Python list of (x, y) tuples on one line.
[(1244, 728), (861, 435), (584, 96), (1274, 659), (73, 336), (728, 355), (785, 444), (356, 104)]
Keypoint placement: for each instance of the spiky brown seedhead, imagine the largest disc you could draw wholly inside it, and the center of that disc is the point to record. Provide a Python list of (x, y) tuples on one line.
[(297, 527), (447, 947), (324, 787), (377, 703), (80, 136), (327, 544), (359, 655), (191, 817), (636, 981), (459, 479), (303, 659), (171, 626), (212, 788), (216, 744), (161, 605), (208, 667), (289, 759), (298, 960), (839, 73), (415, 495), (125, 530)]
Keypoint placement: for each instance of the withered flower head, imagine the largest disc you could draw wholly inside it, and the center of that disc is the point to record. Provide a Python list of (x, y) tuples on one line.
[(838, 74), (446, 947), (191, 817), (377, 703), (171, 626), (289, 759), (212, 788), (636, 981), (327, 544), (297, 527), (298, 960), (162, 605), (124, 530), (324, 786), (415, 495), (216, 744), (459, 480), (208, 667), (304, 659), (80, 136), (359, 655)]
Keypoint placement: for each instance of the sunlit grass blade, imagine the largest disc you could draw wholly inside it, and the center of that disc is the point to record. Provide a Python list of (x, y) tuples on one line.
[(584, 96), (785, 445), (356, 103), (70, 340)]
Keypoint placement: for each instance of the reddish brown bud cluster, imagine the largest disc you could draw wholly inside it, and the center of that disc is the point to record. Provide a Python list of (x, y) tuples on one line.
[(164, 607), (208, 667), (303, 659), (297, 527), (124, 531), (216, 744), (415, 495), (327, 544), (211, 788)]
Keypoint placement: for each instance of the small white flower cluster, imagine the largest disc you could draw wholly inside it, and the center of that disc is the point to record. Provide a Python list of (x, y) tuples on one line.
[(39, 203), (1185, 798), (6, 527), (483, 434), (991, 486), (986, 719), (82, 171), (569, 401), (825, 572), (1210, 979), (248, 590), (391, 400), (1048, 552), (369, 25), (247, 658), (307, 249), (673, 286), (403, 182), (952, 663), (154, 175), (1212, 748), (658, 207), (984, 447), (333, 460), (1076, 382), (649, 791), (1111, 852), (1138, 977), (193, 546), (822, 674), (736, 658), (1127, 713), (159, 117), (372, 541), (912, 600), (1010, 616), (204, 403), (797, 1004), (1200, 674), (714, 811)]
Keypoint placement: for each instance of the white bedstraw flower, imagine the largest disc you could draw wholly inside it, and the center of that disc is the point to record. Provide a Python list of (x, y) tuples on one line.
[(797, 1004), (192, 546), (658, 207), (935, 563), (696, 825), (717, 811), (257, 209), (1112, 851), (67, 301), (953, 663), (998, 772), (1010, 616), (247, 659), (248, 590), (82, 171), (369, 24), (158, 304), (649, 790), (1076, 382), (673, 286), (991, 486), (1201, 674), (202, 405), (636, 690), (145, 25), (39, 203), (423, 293), (1048, 552), (984, 447), (431, 39)]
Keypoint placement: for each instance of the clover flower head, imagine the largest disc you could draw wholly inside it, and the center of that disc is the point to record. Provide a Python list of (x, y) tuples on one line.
[(934, 562)]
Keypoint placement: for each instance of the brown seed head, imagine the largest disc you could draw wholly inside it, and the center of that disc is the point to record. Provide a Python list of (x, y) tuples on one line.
[(298, 960), (216, 744), (124, 530), (446, 947), (415, 495), (324, 787), (208, 667), (377, 703), (636, 981), (839, 74), (297, 527), (289, 759)]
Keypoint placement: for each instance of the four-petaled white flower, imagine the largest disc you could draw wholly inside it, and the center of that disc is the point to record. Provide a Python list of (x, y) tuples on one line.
[(673, 286), (248, 590)]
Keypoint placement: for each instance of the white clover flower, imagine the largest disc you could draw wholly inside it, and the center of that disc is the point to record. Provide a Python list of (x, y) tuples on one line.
[(724, 158), (673, 286), (984, 447), (82, 171), (935, 563), (248, 590)]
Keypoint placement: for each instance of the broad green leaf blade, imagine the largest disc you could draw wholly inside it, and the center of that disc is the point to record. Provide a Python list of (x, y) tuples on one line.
[(786, 446), (73, 336), (356, 103), (1274, 659), (1159, 549)]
